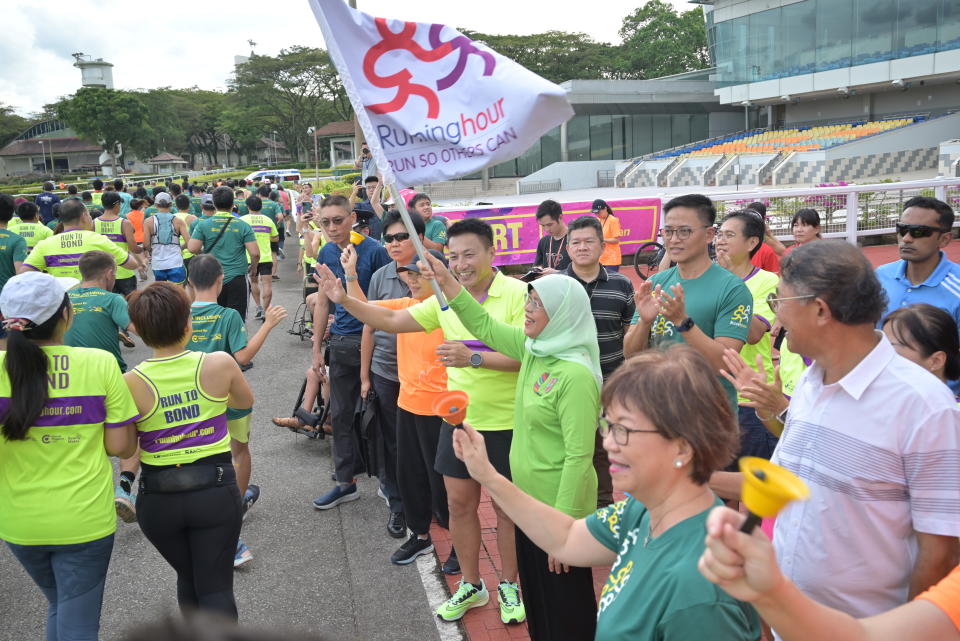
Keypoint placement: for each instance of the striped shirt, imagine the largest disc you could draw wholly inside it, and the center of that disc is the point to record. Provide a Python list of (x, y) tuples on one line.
[(611, 300), (880, 452)]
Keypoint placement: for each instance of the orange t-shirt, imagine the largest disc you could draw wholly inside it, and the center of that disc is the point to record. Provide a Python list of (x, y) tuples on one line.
[(946, 596), (135, 216), (422, 377), (611, 251)]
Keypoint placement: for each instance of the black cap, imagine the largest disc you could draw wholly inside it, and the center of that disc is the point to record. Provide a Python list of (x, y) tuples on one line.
[(413, 267), (599, 204)]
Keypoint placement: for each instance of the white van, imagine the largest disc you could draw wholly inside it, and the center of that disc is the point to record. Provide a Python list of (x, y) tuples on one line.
[(274, 175)]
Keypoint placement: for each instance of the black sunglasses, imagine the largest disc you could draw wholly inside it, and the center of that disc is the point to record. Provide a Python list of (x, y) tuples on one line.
[(399, 237), (917, 231)]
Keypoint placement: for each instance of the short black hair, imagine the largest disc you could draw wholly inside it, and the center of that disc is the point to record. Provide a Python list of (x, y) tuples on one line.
[(223, 198), (204, 271), (254, 203), (371, 179), (929, 330), (86, 196), (71, 211), (183, 203), (476, 226), (48, 186), (393, 217), (7, 207), (118, 184), (110, 198), (758, 207), (72, 189), (752, 223), (175, 189), (158, 189), (586, 222), (27, 210), (97, 184), (417, 198), (703, 206), (550, 208), (944, 211), (263, 190)]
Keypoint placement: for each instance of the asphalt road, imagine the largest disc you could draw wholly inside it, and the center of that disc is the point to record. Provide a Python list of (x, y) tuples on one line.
[(322, 572)]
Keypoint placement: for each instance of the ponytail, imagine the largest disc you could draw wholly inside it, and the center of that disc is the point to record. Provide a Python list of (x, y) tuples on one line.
[(26, 365)]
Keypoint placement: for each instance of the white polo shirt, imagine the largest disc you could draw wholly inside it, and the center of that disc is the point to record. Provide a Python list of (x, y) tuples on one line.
[(880, 451)]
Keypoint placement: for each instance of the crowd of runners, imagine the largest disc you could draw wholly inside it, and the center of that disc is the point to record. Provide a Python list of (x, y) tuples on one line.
[(604, 420)]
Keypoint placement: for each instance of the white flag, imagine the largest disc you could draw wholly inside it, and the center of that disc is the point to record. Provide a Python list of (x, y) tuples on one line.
[(433, 104)]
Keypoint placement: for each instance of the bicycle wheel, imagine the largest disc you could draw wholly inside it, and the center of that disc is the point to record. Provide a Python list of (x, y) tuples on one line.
[(646, 261)]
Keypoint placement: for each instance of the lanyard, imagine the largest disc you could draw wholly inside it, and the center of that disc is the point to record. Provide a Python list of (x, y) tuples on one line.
[(555, 258)]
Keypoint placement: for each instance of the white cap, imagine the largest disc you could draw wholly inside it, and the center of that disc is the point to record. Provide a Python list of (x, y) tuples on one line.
[(33, 296)]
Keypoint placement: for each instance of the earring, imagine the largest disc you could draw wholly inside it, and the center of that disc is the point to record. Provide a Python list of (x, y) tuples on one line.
[(678, 464)]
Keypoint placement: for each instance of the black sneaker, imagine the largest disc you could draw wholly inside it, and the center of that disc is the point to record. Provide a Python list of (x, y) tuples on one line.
[(452, 564), (397, 525), (411, 549)]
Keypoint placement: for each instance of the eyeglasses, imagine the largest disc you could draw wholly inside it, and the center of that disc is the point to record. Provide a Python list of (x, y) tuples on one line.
[(534, 303), (621, 433), (335, 222), (682, 233), (773, 301), (399, 237), (917, 231)]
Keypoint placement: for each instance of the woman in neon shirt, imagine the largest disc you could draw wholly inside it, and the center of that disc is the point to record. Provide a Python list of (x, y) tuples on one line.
[(62, 409), (188, 505)]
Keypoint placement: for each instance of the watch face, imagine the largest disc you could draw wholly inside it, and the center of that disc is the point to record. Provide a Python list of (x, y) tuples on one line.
[(476, 360)]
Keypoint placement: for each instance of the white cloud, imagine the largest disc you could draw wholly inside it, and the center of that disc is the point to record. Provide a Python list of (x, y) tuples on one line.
[(183, 43)]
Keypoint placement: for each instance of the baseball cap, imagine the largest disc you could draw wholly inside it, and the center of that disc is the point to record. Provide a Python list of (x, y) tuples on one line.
[(162, 199), (413, 267), (33, 296), (206, 199), (598, 204)]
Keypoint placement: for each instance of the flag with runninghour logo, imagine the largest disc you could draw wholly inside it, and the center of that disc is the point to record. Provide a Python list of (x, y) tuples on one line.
[(433, 104)]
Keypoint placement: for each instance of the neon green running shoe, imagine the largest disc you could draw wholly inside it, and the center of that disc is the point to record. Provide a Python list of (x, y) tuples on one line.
[(511, 607), (466, 597)]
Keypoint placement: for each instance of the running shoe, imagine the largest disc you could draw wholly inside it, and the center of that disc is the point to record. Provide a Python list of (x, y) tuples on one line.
[(126, 340), (123, 502), (250, 497), (452, 564), (243, 555), (336, 496), (511, 607), (466, 597), (411, 549), (259, 314), (397, 525)]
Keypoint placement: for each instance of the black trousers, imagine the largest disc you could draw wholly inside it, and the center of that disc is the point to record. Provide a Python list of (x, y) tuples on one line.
[(344, 393), (196, 533), (421, 486), (387, 392), (601, 463), (234, 295), (559, 606)]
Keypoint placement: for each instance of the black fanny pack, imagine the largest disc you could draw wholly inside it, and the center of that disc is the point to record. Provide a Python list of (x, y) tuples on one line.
[(190, 478)]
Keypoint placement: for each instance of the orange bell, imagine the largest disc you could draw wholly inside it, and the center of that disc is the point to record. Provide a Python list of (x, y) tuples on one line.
[(452, 407)]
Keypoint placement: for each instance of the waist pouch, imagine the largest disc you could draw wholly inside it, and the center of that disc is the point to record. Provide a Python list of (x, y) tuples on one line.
[(187, 479)]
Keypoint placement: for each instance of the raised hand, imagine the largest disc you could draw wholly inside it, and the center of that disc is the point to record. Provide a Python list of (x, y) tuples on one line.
[(348, 258), (330, 284), (647, 304)]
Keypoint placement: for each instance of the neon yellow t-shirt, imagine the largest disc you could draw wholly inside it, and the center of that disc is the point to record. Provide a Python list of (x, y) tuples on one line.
[(56, 487), (113, 230), (185, 423), (32, 232), (491, 392), (761, 284), (183, 242), (264, 229), (59, 255)]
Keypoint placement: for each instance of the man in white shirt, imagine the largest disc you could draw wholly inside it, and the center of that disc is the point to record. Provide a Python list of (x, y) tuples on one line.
[(876, 438)]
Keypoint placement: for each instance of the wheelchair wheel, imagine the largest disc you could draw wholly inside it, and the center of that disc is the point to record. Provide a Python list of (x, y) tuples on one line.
[(646, 262)]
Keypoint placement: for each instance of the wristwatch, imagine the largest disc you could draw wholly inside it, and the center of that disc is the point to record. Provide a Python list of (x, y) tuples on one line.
[(686, 325), (350, 279), (476, 360)]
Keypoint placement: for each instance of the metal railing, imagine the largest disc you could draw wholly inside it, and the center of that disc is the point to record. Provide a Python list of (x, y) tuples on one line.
[(538, 187), (606, 177)]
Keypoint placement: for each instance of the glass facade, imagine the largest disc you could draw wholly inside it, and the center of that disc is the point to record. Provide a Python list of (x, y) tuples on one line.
[(820, 35), (608, 137)]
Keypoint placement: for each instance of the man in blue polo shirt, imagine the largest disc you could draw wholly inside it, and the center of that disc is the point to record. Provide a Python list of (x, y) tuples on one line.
[(924, 274), (337, 219), (45, 200)]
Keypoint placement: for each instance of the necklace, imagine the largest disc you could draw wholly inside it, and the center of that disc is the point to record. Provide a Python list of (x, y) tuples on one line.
[(649, 536)]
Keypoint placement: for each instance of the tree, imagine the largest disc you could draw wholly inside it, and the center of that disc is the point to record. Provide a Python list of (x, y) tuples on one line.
[(558, 56), (658, 41), (106, 117), (11, 125)]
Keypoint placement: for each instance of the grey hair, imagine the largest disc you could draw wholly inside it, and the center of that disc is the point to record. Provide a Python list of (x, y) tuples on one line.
[(839, 274)]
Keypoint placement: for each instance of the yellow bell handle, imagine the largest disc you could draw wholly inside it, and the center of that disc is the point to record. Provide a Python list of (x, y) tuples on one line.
[(767, 488)]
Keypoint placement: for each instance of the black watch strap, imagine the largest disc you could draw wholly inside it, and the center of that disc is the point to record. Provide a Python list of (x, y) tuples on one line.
[(686, 325)]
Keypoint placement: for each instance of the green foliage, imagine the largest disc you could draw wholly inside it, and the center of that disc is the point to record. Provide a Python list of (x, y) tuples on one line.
[(556, 55), (658, 41), (11, 125), (105, 116)]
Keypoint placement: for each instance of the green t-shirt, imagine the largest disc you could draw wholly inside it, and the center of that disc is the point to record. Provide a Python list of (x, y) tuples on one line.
[(555, 417), (273, 211), (53, 224), (97, 315), (56, 486), (491, 392), (13, 249), (264, 229), (195, 208), (60, 254), (654, 590), (230, 249), (31, 232), (717, 301), (151, 210), (218, 329), (241, 205), (436, 230)]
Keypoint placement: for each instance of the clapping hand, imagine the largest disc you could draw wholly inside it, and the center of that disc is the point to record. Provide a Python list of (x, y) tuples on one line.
[(330, 284), (765, 398)]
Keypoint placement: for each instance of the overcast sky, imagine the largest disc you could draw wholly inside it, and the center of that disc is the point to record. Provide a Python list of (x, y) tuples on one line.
[(181, 43)]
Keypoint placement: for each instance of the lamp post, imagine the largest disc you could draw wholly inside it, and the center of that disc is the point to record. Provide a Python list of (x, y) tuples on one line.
[(312, 131), (43, 152)]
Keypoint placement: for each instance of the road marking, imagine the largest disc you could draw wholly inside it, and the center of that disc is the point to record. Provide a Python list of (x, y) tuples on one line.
[(436, 592)]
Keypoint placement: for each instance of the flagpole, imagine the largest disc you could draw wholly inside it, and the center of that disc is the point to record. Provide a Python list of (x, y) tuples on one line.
[(373, 141)]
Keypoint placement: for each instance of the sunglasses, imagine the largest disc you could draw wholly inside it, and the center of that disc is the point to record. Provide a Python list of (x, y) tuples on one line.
[(917, 231), (399, 237)]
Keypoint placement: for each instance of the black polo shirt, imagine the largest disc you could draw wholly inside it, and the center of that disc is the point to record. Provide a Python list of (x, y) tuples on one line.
[(611, 300)]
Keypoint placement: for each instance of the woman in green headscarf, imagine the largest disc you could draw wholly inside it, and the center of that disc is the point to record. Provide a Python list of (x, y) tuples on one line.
[(551, 457)]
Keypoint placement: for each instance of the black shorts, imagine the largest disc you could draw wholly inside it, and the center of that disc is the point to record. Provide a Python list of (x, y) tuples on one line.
[(264, 269), (498, 451), (234, 295), (125, 286)]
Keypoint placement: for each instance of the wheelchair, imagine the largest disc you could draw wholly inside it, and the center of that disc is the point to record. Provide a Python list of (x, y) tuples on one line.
[(302, 323)]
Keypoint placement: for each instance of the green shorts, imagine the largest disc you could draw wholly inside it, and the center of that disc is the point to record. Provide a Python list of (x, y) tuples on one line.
[(239, 428)]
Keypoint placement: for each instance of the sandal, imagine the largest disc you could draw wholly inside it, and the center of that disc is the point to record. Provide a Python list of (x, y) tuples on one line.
[(299, 427)]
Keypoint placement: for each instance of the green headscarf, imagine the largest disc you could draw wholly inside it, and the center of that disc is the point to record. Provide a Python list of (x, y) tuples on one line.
[(571, 333)]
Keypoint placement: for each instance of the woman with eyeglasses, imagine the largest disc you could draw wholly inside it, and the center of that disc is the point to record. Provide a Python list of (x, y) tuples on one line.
[(551, 456), (926, 335), (806, 228), (664, 441)]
